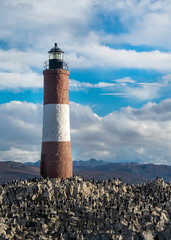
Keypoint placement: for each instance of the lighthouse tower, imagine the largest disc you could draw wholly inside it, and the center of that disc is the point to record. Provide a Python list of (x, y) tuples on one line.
[(56, 159)]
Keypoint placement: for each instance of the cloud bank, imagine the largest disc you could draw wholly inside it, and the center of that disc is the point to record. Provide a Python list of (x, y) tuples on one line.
[(141, 135), (79, 30)]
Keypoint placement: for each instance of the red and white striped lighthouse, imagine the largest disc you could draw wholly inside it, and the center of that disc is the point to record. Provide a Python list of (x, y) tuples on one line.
[(56, 159)]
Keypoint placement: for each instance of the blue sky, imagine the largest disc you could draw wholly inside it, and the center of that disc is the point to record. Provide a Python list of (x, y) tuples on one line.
[(119, 55)]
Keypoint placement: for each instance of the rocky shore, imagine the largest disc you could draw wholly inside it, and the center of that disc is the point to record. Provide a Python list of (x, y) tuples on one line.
[(77, 208)]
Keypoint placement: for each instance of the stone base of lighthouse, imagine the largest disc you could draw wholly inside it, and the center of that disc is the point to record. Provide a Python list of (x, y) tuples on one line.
[(56, 160)]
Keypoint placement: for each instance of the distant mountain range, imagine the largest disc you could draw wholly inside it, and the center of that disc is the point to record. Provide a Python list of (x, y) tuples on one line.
[(128, 172), (91, 163), (13, 170)]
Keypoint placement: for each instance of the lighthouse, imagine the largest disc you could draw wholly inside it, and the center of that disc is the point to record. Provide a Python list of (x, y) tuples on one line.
[(56, 159)]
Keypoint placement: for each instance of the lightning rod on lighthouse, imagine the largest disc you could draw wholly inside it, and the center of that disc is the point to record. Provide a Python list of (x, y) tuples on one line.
[(56, 159)]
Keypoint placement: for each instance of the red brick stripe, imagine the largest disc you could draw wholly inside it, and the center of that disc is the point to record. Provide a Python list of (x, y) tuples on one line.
[(56, 160), (56, 86)]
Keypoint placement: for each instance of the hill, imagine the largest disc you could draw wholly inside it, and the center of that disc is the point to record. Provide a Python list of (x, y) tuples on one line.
[(128, 172), (15, 171), (99, 170)]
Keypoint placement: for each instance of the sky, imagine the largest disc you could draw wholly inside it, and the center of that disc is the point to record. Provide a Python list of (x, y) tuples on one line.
[(119, 56)]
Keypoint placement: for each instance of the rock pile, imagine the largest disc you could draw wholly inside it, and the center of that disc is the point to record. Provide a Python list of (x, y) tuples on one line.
[(77, 208)]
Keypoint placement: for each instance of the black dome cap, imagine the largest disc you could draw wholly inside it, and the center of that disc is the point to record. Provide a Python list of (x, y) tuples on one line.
[(56, 49)]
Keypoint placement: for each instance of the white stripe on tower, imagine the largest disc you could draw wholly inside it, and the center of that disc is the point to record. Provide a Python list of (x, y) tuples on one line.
[(56, 126)]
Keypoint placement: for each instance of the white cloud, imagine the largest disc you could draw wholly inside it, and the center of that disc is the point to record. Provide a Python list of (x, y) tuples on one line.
[(141, 91), (145, 22), (152, 30), (77, 86), (141, 135), (125, 87), (17, 80), (20, 155), (96, 55), (125, 135), (36, 24), (125, 80), (18, 61), (156, 112), (167, 79), (20, 128), (89, 56)]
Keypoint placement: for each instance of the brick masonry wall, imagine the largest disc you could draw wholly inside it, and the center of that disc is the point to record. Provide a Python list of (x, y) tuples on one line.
[(56, 160), (56, 86)]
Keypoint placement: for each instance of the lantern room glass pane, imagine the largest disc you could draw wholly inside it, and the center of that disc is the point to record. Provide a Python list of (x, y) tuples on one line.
[(55, 55)]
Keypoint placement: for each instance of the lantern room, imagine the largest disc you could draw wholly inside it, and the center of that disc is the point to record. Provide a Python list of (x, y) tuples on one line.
[(56, 58)]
